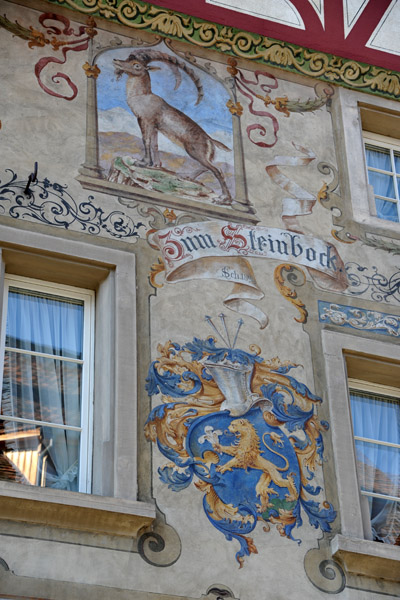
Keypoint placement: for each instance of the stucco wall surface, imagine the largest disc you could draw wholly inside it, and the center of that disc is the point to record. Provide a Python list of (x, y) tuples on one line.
[(221, 212)]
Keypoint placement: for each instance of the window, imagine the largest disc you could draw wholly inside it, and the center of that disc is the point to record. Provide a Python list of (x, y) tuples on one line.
[(62, 267), (372, 367), (383, 166), (45, 414), (376, 424), (375, 123)]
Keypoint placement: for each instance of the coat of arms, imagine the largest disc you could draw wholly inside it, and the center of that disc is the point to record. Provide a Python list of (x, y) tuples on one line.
[(245, 430)]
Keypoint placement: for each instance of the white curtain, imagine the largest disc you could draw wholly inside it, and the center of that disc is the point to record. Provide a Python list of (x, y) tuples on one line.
[(41, 388), (383, 184), (378, 418)]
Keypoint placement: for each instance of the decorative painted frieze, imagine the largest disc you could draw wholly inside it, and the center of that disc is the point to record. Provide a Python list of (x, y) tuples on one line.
[(290, 57), (359, 318)]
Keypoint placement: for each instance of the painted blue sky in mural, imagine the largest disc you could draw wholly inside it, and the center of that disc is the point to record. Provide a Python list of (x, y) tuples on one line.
[(211, 113)]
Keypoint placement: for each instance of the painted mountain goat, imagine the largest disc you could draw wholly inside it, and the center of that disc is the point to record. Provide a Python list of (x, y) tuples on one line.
[(154, 114)]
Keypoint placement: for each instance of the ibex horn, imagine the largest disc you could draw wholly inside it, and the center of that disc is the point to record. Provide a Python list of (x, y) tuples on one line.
[(147, 56)]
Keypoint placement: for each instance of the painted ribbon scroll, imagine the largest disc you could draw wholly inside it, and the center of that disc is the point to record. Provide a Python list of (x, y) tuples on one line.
[(215, 250)]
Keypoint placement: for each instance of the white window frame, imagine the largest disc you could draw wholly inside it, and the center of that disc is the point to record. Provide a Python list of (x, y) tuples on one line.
[(391, 144), (360, 555), (86, 427)]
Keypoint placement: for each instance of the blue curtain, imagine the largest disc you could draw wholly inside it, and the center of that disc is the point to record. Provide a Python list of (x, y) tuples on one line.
[(378, 418), (43, 388)]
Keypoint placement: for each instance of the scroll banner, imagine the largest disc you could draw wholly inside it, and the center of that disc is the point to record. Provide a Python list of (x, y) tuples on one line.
[(218, 250), (302, 202)]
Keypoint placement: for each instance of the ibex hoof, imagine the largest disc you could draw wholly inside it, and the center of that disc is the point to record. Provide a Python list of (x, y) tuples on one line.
[(224, 201)]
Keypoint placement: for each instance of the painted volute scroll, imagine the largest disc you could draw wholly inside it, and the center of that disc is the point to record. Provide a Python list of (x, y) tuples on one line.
[(226, 179)]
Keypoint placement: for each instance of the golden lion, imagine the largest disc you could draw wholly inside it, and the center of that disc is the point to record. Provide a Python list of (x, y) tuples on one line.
[(246, 454)]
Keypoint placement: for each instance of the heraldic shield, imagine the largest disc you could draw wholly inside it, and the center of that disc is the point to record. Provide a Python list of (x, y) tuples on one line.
[(244, 431)]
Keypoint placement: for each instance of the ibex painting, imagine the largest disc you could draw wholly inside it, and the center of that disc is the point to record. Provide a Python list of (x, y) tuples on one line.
[(155, 115)]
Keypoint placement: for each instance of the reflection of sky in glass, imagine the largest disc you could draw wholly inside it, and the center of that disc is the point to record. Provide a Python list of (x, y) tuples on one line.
[(211, 114), (384, 457)]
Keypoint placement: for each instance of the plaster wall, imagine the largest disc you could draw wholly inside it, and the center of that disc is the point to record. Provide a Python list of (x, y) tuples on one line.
[(296, 176)]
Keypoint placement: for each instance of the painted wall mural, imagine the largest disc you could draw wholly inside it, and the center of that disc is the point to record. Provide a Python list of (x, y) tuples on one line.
[(63, 38), (368, 281), (172, 120), (51, 204), (215, 250), (244, 431), (258, 86), (242, 44), (171, 126), (359, 318)]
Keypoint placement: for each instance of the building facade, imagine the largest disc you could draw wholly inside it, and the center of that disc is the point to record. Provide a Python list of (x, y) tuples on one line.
[(200, 239)]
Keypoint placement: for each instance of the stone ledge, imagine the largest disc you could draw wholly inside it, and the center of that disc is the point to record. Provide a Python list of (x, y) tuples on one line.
[(371, 559), (72, 510)]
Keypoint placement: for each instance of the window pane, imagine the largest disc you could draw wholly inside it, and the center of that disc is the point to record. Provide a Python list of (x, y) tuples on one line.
[(397, 161), (386, 210), (382, 184), (378, 417), (43, 389), (43, 456), (46, 324), (375, 417), (385, 520), (378, 158), (378, 468)]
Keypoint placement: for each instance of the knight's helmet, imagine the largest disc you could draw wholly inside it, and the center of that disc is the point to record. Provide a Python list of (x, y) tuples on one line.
[(233, 378)]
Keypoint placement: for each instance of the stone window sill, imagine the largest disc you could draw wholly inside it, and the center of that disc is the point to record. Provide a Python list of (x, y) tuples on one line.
[(72, 510), (371, 559)]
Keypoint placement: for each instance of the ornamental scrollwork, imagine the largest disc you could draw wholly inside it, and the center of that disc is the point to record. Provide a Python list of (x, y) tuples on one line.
[(51, 204), (295, 276), (359, 318), (379, 287), (143, 16), (382, 243), (325, 573), (160, 547), (60, 36)]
